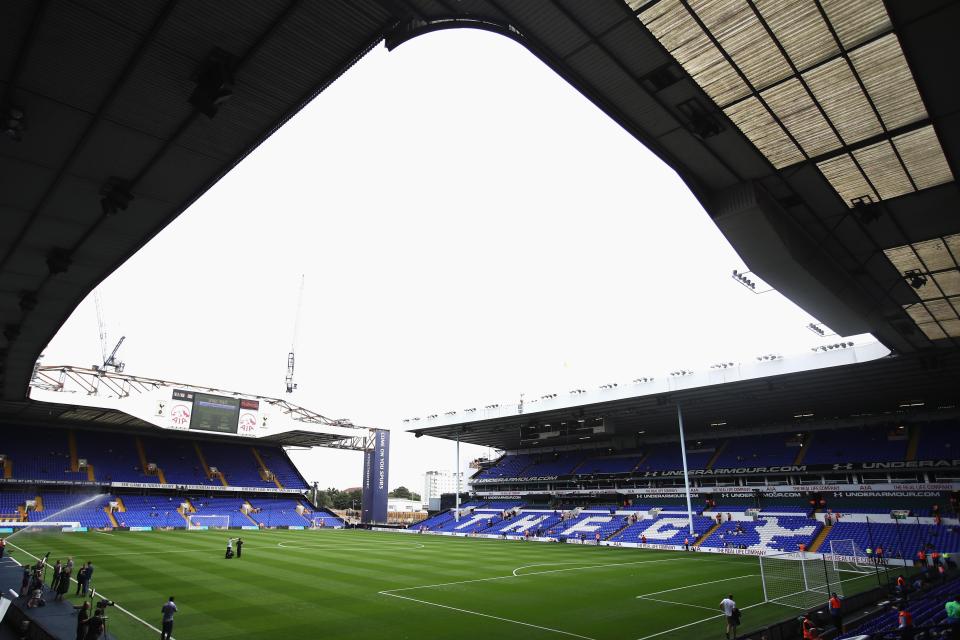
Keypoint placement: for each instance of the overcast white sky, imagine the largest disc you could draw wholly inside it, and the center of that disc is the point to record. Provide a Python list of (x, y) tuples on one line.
[(470, 228)]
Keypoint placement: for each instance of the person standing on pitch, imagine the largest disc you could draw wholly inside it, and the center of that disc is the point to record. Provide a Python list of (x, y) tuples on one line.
[(57, 568), (82, 579), (239, 547), (89, 578), (167, 622), (63, 585), (728, 606), (229, 553)]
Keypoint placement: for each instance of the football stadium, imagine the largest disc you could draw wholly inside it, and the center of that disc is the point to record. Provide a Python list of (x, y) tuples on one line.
[(786, 496)]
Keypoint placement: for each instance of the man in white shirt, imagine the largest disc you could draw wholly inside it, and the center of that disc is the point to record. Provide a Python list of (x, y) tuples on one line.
[(728, 606)]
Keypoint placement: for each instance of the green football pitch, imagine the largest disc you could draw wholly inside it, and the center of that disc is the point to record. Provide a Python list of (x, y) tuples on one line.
[(361, 585)]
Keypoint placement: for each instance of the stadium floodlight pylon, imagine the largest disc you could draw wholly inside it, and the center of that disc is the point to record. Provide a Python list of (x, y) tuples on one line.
[(196, 522), (846, 555), (800, 580)]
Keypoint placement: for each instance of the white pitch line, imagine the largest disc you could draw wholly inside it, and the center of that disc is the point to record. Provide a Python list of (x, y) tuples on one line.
[(539, 573), (699, 584), (544, 564), (682, 604), (684, 626), (74, 580), (285, 544), (487, 615)]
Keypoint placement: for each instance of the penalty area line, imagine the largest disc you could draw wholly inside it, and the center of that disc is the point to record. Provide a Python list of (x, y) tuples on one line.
[(74, 580), (487, 615), (540, 573), (679, 604), (699, 584)]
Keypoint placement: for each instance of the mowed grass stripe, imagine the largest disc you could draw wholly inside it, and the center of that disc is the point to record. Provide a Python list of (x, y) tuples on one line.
[(328, 584)]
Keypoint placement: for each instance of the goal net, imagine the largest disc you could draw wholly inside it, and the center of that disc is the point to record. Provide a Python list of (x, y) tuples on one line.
[(846, 555), (198, 522), (801, 580)]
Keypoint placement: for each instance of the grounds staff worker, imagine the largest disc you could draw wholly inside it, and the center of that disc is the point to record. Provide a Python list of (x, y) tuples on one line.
[(167, 610)]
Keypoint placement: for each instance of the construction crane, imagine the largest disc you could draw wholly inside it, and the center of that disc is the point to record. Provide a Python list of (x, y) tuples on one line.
[(109, 359), (290, 384)]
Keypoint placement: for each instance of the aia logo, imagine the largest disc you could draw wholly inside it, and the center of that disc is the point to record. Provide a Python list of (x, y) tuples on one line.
[(180, 415), (247, 422)]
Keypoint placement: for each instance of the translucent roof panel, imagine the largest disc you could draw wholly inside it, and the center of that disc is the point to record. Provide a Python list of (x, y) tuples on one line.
[(923, 156), (671, 23), (741, 34), (798, 112), (931, 268), (949, 283), (806, 80), (934, 254), (885, 74), (836, 89), (883, 169), (801, 30), (847, 180), (856, 21), (763, 131)]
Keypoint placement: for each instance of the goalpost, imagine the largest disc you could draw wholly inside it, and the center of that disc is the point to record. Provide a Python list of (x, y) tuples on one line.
[(199, 522), (846, 555), (800, 580)]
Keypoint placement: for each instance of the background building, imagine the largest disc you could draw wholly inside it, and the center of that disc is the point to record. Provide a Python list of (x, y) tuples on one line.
[(436, 483)]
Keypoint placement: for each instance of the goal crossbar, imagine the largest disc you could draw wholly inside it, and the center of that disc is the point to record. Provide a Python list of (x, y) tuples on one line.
[(198, 522)]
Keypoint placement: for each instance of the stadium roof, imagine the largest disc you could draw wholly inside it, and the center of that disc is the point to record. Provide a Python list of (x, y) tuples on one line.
[(108, 399), (822, 136), (891, 387), (32, 412)]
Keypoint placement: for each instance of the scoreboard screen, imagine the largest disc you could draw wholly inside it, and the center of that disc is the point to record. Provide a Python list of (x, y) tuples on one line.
[(215, 413)]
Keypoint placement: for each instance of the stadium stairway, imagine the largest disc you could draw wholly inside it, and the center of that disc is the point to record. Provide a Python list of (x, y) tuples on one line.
[(190, 508), (807, 439), (717, 453), (914, 443), (145, 465), (8, 468), (205, 466), (818, 541), (576, 469), (113, 520), (643, 459), (38, 504), (72, 444), (91, 475), (265, 473), (626, 523), (703, 538)]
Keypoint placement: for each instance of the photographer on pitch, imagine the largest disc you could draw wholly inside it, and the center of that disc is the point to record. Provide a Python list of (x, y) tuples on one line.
[(83, 620), (98, 621)]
